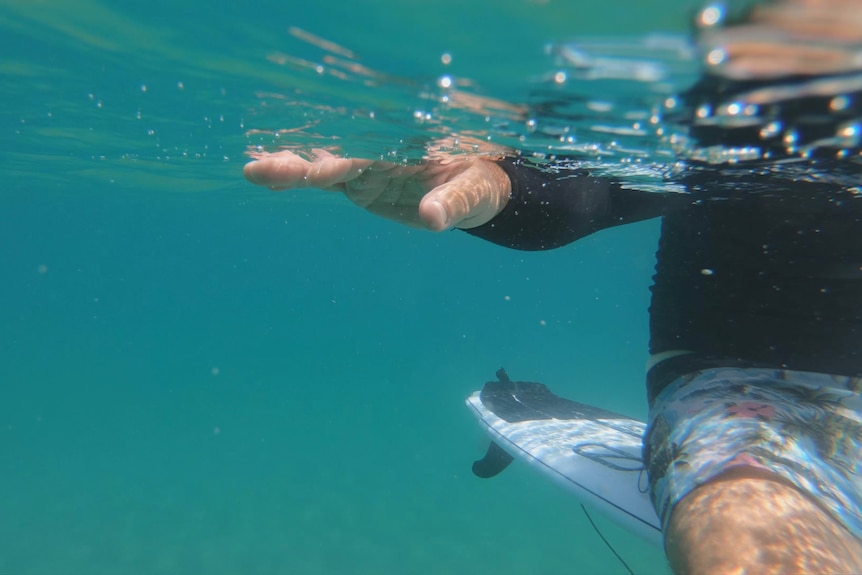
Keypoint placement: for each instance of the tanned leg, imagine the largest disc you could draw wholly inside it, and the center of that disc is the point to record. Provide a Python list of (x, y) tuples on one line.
[(749, 521)]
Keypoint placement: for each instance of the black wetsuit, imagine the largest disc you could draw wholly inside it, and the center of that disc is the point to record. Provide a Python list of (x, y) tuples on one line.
[(768, 277)]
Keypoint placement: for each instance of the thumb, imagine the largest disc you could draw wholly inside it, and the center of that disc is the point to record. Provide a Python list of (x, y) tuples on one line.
[(468, 200)]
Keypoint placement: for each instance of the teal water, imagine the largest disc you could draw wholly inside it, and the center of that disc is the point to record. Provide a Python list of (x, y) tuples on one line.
[(200, 376)]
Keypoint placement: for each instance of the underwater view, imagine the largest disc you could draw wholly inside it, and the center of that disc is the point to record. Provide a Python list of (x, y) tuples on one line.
[(200, 375)]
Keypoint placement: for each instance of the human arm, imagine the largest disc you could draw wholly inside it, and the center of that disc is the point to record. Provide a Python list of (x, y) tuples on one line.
[(554, 205), (507, 201)]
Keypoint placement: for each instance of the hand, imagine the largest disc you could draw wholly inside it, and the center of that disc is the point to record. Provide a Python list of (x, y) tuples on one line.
[(785, 38), (441, 193)]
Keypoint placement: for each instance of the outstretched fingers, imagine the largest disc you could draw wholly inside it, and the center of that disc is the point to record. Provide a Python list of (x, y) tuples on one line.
[(286, 170)]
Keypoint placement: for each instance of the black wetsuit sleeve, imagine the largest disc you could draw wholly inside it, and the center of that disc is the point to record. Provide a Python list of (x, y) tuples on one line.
[(550, 208)]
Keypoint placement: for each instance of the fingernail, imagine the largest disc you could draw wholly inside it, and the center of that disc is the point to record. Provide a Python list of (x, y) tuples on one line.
[(442, 214)]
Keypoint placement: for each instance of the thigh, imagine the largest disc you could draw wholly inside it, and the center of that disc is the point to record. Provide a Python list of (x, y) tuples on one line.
[(751, 521), (803, 428)]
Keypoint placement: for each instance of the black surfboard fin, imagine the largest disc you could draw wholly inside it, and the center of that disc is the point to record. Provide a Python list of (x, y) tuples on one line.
[(495, 461)]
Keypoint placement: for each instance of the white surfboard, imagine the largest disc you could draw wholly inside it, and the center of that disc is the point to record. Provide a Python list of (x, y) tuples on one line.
[(594, 452)]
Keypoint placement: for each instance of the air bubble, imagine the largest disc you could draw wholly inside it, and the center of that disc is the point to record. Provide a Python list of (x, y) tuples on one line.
[(716, 56), (711, 15), (839, 103)]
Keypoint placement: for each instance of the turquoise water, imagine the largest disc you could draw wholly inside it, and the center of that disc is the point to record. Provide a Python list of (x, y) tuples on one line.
[(200, 376)]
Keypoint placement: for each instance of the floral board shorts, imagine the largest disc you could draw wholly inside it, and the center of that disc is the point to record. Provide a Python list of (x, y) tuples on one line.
[(804, 427)]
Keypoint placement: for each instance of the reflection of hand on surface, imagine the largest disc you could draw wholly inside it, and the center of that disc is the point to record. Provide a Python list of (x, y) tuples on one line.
[(443, 192), (789, 37)]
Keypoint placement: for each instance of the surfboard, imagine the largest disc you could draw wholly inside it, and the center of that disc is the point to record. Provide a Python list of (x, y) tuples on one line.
[(593, 452)]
